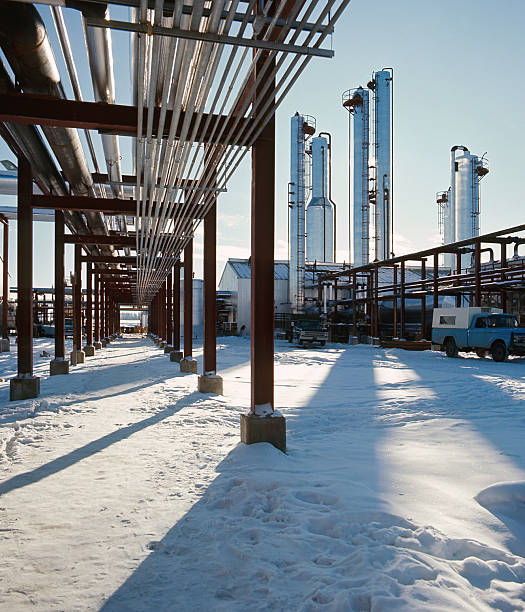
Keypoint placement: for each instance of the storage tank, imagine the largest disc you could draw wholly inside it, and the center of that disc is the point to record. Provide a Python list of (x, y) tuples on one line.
[(357, 102), (381, 84), (320, 210), (301, 128)]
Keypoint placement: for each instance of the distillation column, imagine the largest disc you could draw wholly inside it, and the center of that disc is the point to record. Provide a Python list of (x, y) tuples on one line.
[(301, 129), (381, 84), (320, 210), (357, 102)]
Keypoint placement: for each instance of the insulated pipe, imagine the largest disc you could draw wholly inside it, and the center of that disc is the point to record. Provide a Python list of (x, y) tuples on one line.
[(25, 44)]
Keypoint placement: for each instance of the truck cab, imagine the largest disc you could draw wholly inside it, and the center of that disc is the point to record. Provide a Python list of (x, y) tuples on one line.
[(309, 331), (482, 330)]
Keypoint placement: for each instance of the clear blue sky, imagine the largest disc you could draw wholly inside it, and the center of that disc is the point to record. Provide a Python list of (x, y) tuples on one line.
[(458, 80)]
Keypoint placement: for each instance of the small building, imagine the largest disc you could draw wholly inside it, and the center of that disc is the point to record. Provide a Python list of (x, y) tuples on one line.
[(236, 282)]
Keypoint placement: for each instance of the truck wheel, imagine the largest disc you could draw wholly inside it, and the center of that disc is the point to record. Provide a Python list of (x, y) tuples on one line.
[(481, 353), (451, 348), (499, 351)]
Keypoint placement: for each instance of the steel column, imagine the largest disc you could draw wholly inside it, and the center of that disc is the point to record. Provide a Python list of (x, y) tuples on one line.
[(97, 308), (503, 265), (5, 281), (77, 299), (60, 343), (354, 305), (210, 307), (402, 290), (176, 307), (169, 309), (477, 270), (436, 283), (89, 304), (188, 298), (458, 271), (262, 272), (423, 300), (394, 305), (25, 270)]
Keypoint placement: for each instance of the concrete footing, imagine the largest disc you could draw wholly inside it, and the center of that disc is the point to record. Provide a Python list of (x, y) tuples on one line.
[(89, 350), (353, 340), (5, 345), (58, 366), (210, 383), (77, 357), (103, 343), (188, 365), (97, 345), (176, 356), (163, 344), (167, 349), (269, 428), (21, 388)]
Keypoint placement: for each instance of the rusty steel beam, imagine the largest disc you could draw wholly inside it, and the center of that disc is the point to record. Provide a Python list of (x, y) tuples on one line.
[(210, 291), (176, 307), (60, 346), (262, 263), (32, 109), (24, 314), (188, 299), (109, 206), (115, 240), (5, 281), (97, 309), (130, 260)]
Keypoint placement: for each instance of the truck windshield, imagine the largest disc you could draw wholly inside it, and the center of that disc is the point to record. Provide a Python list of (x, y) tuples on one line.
[(502, 321), (308, 325)]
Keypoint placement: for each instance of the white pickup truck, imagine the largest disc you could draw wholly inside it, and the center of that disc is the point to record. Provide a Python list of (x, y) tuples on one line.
[(480, 329)]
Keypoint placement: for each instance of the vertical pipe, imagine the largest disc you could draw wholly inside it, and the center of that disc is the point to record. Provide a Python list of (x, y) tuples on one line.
[(169, 309), (354, 305), (188, 299), (262, 262), (77, 324), (503, 266), (423, 300), (210, 307), (25, 270), (394, 306), (60, 345), (89, 304), (435, 283), (176, 307), (458, 271), (402, 291), (5, 281), (477, 275)]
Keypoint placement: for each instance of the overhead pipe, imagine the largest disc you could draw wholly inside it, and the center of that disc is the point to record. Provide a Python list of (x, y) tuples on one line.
[(24, 41), (32, 146)]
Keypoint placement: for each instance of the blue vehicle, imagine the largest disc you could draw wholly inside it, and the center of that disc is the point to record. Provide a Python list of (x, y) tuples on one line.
[(482, 330)]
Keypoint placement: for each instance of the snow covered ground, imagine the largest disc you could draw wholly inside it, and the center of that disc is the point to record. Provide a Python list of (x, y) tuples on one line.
[(403, 488)]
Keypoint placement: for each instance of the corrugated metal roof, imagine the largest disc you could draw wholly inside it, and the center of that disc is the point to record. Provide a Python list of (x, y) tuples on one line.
[(386, 275)]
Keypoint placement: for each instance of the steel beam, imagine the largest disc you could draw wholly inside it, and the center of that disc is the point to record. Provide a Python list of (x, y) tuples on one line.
[(221, 39), (130, 260), (188, 299), (262, 272), (89, 304), (108, 206), (24, 314), (97, 308), (117, 119), (169, 308), (210, 291), (115, 240), (77, 301), (176, 307), (5, 282), (60, 347)]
